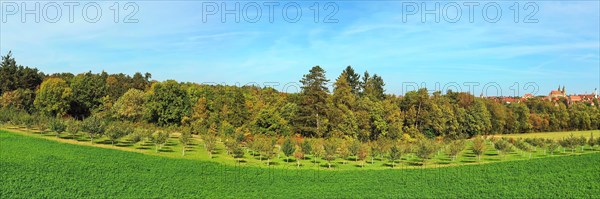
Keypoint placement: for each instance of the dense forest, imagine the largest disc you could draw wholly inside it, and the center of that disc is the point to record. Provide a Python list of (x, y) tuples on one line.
[(357, 107)]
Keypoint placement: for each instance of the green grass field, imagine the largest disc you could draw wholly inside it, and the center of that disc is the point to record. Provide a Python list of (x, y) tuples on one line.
[(40, 168)]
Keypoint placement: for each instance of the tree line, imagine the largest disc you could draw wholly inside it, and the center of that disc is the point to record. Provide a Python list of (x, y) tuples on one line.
[(356, 109)]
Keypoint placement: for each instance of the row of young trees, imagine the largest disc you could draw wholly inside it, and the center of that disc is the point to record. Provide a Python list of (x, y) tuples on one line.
[(357, 108), (241, 146)]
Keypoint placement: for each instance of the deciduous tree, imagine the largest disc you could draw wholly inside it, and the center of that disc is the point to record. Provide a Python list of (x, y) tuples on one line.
[(58, 126), (330, 147), (210, 142), (73, 127), (167, 103), (185, 138), (93, 126), (425, 149), (53, 97), (160, 138), (130, 106), (298, 154), (479, 147), (363, 153), (502, 146), (115, 131), (455, 148)]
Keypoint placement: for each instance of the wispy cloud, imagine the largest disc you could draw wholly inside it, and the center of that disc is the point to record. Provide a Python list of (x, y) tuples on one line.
[(172, 42)]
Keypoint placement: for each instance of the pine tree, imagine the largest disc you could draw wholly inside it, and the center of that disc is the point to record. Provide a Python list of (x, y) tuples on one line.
[(342, 117), (313, 103), (288, 148), (353, 80)]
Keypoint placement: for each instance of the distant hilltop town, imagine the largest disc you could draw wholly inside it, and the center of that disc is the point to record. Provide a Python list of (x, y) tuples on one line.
[(555, 95)]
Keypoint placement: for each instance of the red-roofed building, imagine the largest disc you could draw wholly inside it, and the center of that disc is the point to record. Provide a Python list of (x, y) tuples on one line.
[(575, 98), (510, 100), (555, 95)]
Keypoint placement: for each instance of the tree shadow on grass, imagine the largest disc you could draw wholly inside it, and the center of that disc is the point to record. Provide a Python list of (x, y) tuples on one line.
[(413, 163), (71, 137), (492, 159), (389, 164), (273, 163), (165, 149), (147, 144), (124, 144), (360, 165), (342, 162), (316, 162), (445, 159), (104, 142), (444, 162), (171, 144), (333, 166)]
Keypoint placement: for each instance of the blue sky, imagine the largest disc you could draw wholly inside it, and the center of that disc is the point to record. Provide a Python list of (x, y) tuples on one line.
[(172, 41)]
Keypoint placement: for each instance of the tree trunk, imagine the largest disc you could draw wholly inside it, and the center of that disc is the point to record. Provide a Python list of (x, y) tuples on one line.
[(298, 161), (183, 151)]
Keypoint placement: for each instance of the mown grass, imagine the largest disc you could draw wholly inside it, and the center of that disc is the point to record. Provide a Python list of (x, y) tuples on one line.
[(39, 168), (554, 135)]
